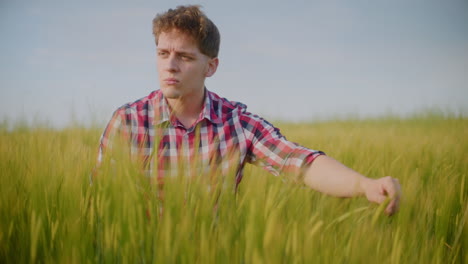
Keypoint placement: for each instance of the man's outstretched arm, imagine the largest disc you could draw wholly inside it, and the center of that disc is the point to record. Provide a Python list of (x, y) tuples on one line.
[(329, 176)]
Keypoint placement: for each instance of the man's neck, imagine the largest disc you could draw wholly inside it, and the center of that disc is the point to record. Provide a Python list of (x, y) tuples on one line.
[(187, 109)]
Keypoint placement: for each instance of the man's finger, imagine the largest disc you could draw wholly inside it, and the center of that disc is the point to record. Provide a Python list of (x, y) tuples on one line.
[(380, 198), (391, 208), (393, 189), (389, 186)]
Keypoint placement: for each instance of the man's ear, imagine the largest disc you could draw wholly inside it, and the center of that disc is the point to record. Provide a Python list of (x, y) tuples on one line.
[(212, 66)]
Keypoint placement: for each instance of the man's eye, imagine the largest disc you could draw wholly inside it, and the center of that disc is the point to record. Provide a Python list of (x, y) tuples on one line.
[(162, 53), (186, 58)]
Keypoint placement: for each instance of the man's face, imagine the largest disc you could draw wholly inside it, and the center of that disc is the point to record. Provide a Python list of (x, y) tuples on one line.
[(182, 68)]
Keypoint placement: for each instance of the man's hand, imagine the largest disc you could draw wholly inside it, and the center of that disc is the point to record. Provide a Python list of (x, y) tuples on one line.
[(379, 190), (329, 176)]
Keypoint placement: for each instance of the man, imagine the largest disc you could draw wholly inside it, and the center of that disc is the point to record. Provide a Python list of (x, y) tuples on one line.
[(184, 123)]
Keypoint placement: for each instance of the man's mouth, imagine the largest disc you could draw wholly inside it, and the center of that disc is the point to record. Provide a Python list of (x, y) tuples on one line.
[(171, 81)]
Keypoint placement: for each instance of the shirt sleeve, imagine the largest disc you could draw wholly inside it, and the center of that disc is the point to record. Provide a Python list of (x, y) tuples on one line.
[(272, 151), (115, 127)]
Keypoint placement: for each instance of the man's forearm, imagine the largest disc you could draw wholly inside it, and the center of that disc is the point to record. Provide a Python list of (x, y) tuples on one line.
[(329, 176)]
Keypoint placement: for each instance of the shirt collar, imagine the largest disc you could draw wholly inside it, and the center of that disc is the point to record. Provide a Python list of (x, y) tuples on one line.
[(163, 111)]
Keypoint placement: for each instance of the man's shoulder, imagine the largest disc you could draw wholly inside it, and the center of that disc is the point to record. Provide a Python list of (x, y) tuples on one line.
[(142, 103), (225, 106), (229, 108)]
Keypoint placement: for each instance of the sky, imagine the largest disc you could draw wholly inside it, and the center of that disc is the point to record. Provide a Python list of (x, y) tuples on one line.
[(77, 61)]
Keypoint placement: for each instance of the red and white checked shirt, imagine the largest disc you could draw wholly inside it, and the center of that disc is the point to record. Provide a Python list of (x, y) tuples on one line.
[(223, 128)]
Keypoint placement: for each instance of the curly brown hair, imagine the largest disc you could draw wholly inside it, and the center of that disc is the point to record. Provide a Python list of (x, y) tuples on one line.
[(192, 21)]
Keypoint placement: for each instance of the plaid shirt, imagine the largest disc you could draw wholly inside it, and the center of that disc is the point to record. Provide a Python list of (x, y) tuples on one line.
[(225, 136)]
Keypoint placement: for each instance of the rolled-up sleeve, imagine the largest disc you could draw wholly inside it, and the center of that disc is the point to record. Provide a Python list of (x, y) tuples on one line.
[(116, 126), (269, 149)]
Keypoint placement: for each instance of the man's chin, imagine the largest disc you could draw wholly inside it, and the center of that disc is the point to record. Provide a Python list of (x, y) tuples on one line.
[(170, 93)]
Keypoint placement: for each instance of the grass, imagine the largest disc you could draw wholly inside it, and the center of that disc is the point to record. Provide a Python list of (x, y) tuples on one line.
[(49, 212)]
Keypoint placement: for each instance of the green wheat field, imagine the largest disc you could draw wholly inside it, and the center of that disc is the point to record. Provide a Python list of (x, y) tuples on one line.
[(50, 213)]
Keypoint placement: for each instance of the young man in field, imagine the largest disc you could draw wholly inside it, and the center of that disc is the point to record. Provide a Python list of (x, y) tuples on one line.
[(183, 121)]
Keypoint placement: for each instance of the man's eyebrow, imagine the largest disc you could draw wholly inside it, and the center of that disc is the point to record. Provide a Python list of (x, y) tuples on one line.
[(179, 52), (186, 53)]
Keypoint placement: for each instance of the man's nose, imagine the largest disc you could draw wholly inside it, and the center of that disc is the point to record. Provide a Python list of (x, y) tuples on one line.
[(172, 64)]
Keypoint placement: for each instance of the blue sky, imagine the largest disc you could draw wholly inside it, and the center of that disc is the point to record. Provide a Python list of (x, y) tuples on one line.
[(288, 60)]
